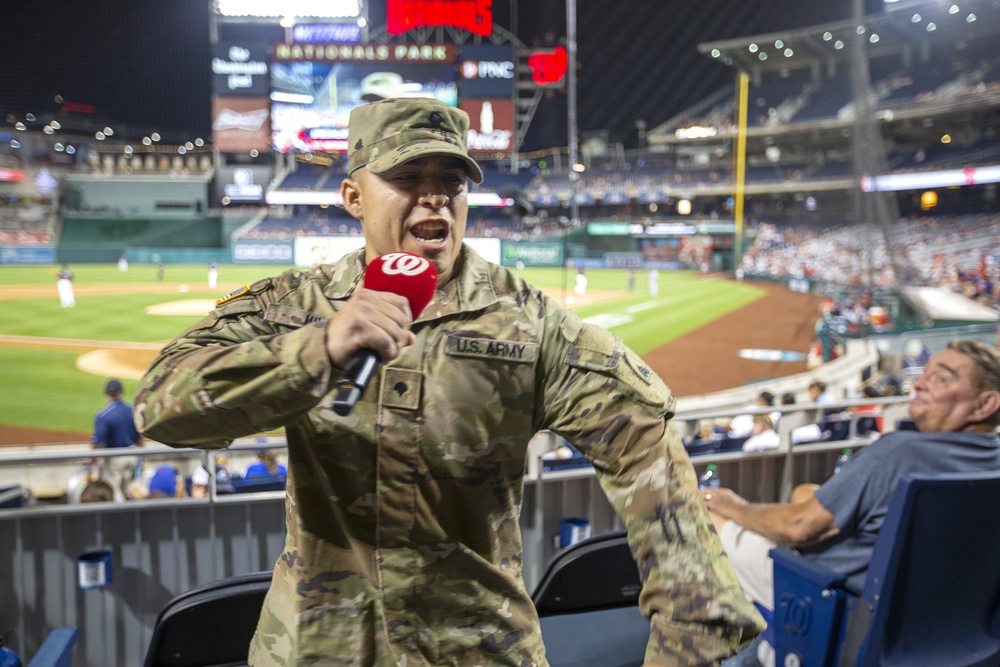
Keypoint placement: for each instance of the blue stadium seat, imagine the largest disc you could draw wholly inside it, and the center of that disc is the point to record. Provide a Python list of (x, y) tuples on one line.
[(932, 596), (56, 650), (588, 605), (696, 447)]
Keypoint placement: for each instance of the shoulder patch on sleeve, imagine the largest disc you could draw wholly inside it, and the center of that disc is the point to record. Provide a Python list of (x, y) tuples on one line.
[(235, 294)]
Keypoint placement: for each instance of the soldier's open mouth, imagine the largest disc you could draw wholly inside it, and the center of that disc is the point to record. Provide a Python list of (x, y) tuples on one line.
[(430, 232)]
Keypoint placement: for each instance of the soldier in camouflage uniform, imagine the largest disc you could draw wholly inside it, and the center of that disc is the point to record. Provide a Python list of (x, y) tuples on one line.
[(403, 543)]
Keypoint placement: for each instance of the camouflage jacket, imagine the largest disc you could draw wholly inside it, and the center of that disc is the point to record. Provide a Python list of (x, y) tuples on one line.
[(403, 543)]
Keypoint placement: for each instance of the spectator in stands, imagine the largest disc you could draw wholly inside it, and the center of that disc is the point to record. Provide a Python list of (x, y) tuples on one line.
[(266, 466), (114, 428), (788, 398), (424, 476), (224, 475), (763, 436), (199, 483), (819, 395), (956, 407), (741, 426), (166, 482)]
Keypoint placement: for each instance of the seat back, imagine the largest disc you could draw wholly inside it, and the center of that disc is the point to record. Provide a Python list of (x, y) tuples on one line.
[(932, 596), (209, 626), (587, 602)]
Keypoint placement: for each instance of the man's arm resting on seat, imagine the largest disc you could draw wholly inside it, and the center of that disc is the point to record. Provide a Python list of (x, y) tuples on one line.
[(788, 524)]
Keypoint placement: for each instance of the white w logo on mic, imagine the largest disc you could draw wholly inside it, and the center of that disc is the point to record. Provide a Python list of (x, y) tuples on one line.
[(401, 263)]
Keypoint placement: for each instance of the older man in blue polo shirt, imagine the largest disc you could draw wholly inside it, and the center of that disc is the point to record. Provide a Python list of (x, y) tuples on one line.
[(114, 428)]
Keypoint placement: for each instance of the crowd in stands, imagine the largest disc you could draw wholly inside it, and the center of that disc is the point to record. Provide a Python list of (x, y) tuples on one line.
[(164, 480), (957, 253)]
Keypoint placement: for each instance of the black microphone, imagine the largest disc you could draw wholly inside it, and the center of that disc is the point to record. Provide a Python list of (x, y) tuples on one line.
[(403, 273)]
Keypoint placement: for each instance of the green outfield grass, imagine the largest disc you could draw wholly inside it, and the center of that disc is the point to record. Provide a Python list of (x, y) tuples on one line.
[(43, 388)]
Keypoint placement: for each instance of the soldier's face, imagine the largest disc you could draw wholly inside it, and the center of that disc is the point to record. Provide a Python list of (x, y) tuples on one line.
[(420, 206)]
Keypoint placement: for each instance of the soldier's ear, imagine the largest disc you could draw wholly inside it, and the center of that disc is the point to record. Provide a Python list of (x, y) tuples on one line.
[(351, 193)]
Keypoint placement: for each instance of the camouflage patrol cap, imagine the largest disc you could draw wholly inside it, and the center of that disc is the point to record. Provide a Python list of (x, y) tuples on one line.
[(387, 133)]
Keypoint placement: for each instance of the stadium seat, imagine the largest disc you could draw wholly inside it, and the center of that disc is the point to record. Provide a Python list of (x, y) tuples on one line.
[(932, 596), (732, 444), (209, 626), (56, 650), (255, 484), (588, 604), (702, 447)]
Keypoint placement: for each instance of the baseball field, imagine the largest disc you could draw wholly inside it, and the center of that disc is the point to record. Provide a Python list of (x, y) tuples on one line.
[(55, 360)]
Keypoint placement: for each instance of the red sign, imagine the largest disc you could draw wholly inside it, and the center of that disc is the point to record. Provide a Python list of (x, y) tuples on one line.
[(476, 16), (78, 107), (491, 125), (548, 67), (12, 175)]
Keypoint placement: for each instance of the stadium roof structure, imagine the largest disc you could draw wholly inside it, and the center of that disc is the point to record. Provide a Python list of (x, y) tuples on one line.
[(941, 304), (891, 32)]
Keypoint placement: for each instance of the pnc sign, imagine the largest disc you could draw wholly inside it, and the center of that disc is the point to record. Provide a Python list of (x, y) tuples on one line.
[(476, 16)]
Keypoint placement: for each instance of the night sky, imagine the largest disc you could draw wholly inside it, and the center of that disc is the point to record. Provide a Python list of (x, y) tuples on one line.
[(146, 62)]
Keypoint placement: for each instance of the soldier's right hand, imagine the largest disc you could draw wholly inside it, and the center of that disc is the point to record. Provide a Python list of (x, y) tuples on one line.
[(379, 321)]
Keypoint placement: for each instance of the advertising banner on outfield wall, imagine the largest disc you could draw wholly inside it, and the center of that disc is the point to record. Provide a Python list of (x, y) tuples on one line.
[(262, 252), (27, 255), (531, 254)]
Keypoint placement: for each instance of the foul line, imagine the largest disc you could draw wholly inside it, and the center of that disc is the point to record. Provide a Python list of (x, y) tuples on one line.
[(76, 342)]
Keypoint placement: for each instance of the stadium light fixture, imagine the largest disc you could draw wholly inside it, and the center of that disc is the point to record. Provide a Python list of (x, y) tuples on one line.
[(155, 136), (953, 9), (971, 18), (20, 126), (30, 117), (71, 150), (14, 143), (100, 136), (55, 125), (146, 141)]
